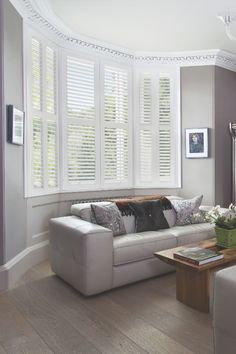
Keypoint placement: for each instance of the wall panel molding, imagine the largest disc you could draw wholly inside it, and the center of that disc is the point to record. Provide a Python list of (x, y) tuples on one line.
[(17, 266)]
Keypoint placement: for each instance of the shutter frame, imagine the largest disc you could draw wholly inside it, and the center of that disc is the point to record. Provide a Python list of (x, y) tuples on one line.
[(32, 188), (159, 132), (122, 165), (79, 122)]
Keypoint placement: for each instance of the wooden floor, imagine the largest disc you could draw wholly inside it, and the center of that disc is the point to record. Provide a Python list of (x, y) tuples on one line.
[(45, 315)]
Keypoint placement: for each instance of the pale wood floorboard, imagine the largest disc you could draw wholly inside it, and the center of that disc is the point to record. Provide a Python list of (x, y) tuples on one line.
[(16, 335), (45, 315), (2, 351)]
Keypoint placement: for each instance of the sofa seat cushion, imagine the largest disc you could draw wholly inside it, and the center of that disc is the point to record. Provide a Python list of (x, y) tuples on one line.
[(192, 233), (138, 246)]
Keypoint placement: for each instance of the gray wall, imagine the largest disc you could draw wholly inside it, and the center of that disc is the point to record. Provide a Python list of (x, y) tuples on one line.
[(198, 175), (15, 204), (27, 220), (2, 223), (225, 112)]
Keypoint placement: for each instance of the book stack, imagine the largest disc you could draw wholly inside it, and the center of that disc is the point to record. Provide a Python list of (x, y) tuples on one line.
[(198, 255)]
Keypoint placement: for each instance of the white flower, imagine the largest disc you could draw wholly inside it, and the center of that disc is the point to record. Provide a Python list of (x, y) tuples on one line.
[(225, 218), (232, 207)]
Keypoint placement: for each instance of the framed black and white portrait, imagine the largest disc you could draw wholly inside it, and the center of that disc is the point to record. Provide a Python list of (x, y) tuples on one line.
[(197, 143), (15, 125)]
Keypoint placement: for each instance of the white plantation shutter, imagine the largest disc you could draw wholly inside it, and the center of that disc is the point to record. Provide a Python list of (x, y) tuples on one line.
[(157, 144), (145, 129), (80, 89), (145, 100), (116, 135), (43, 116), (52, 154), (36, 89), (116, 154), (37, 119), (146, 155), (165, 142), (50, 80), (37, 153), (51, 117), (81, 153)]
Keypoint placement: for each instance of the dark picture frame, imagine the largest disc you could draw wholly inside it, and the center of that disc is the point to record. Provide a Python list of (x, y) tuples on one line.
[(15, 125), (196, 142)]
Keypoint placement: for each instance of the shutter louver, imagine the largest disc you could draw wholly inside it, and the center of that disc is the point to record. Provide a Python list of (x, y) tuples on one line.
[(164, 99), (80, 89), (116, 95), (165, 153), (52, 154), (145, 155), (50, 81), (37, 153), (164, 127), (145, 99), (36, 74), (116, 155), (81, 154), (116, 117), (145, 129)]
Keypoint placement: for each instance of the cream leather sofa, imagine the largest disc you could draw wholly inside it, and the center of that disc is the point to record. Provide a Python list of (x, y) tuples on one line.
[(88, 257), (224, 311)]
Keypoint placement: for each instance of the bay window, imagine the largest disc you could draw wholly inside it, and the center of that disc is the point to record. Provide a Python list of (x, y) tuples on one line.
[(86, 130)]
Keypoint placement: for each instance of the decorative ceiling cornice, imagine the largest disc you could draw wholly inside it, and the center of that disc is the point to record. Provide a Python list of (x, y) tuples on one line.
[(38, 16)]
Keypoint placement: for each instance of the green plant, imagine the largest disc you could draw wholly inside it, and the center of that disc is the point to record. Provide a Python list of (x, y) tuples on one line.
[(224, 219)]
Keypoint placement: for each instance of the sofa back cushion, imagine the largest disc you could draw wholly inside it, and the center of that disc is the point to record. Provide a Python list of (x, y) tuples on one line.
[(129, 222), (170, 216), (148, 216), (109, 217), (83, 210), (185, 209)]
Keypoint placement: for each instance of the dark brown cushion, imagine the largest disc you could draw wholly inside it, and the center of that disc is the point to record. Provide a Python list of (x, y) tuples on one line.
[(148, 216)]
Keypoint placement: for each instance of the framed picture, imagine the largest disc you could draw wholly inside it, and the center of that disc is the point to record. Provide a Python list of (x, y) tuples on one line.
[(197, 143), (15, 125)]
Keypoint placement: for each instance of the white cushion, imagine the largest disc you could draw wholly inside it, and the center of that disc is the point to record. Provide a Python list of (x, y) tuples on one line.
[(192, 233), (170, 215), (224, 303), (173, 197), (129, 222), (139, 246), (83, 210)]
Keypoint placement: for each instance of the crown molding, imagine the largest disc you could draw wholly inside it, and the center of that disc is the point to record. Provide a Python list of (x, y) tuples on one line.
[(41, 17)]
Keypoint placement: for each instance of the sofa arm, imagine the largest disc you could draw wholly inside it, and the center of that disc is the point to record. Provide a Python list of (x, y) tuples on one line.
[(81, 253), (224, 311)]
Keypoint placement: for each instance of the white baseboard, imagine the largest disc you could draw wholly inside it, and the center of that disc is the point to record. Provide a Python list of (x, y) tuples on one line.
[(16, 267)]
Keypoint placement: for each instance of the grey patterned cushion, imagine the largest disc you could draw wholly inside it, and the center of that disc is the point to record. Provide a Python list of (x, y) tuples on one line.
[(110, 217), (185, 209)]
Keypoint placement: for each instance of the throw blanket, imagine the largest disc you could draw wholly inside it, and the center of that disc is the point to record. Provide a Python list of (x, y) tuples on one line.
[(123, 203)]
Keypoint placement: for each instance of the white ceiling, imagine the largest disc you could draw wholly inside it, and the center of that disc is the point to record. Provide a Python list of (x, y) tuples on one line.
[(149, 25)]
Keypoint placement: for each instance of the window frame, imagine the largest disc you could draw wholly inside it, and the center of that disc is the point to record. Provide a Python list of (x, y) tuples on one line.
[(100, 60)]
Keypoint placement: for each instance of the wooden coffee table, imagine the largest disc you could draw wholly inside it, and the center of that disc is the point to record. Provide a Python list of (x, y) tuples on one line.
[(192, 281)]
